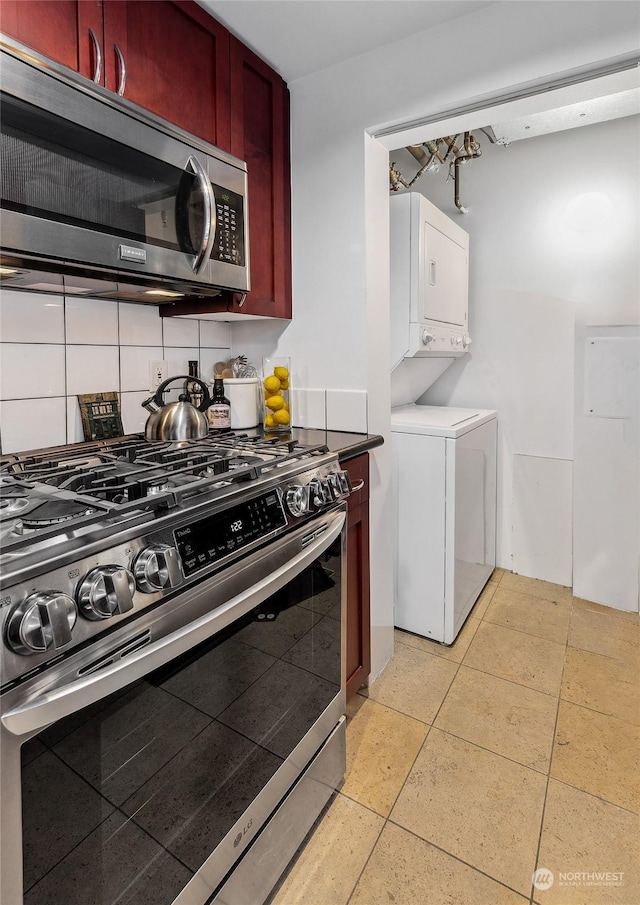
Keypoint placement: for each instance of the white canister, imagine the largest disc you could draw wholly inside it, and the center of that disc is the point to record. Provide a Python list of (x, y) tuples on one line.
[(242, 393)]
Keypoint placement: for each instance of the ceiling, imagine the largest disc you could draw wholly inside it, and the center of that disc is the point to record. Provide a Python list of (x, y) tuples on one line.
[(299, 37)]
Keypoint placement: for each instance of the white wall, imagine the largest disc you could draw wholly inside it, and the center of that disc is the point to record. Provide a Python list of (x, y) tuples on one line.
[(340, 266), (538, 284)]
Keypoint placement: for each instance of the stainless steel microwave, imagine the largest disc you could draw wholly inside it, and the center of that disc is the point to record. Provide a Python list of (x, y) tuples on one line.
[(112, 197)]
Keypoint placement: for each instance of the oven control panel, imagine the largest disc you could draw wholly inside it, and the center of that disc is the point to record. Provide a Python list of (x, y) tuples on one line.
[(211, 539), (47, 618)]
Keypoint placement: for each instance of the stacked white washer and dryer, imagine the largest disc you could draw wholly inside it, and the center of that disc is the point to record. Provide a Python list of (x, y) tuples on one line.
[(444, 459)]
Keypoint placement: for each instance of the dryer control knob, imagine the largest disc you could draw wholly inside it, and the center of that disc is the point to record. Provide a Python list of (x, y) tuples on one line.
[(427, 338), (466, 341)]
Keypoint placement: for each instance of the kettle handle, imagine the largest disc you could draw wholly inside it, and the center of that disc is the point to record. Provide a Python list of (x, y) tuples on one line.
[(206, 401)]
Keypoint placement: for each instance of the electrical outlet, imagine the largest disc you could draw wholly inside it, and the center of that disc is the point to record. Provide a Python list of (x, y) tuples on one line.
[(158, 372)]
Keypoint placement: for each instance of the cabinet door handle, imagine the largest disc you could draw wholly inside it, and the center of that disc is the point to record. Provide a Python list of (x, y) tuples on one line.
[(358, 486), (122, 67), (97, 74), (432, 273)]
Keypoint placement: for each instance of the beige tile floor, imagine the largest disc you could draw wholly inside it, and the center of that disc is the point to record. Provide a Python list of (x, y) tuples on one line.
[(470, 767)]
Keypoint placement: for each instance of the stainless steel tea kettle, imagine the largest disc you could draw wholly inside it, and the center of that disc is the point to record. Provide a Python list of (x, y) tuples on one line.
[(177, 421)]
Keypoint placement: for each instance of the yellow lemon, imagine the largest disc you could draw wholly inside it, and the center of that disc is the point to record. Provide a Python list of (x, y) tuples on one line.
[(284, 384), (272, 384), (274, 403), (281, 416), (286, 406), (281, 373), (269, 421)]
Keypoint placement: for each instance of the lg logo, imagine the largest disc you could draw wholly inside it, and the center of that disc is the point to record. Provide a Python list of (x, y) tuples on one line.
[(240, 836)]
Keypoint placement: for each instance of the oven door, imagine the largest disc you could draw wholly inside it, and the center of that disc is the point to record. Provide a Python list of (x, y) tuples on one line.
[(154, 773)]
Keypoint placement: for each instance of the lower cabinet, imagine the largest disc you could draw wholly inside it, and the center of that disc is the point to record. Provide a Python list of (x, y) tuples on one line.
[(358, 654)]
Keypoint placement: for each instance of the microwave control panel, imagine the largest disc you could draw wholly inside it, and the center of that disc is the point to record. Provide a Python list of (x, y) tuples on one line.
[(229, 240)]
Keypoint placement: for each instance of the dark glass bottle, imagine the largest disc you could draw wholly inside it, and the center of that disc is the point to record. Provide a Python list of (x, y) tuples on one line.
[(193, 389), (219, 412)]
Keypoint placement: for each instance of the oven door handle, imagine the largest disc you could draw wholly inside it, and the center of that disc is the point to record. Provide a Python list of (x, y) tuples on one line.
[(46, 709)]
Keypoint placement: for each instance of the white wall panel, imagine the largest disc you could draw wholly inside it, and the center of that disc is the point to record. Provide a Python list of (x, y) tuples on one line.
[(542, 518)]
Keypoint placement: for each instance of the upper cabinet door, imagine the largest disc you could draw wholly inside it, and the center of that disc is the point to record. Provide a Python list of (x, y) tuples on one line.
[(67, 31), (172, 59), (260, 136)]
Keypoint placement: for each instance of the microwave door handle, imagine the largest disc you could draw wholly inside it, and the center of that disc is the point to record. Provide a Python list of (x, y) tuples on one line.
[(67, 699), (97, 74), (209, 230), (122, 66)]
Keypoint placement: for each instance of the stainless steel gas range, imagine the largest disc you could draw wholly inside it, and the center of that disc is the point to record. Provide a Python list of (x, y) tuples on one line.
[(172, 689)]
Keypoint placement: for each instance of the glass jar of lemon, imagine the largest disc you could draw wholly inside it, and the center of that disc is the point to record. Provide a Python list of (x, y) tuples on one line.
[(276, 393)]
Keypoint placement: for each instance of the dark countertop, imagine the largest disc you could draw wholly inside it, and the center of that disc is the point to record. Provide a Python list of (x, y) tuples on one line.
[(347, 445)]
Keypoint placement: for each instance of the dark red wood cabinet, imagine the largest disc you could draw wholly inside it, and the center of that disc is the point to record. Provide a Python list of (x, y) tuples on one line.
[(176, 60), (184, 66), (260, 136), (60, 30), (358, 653)]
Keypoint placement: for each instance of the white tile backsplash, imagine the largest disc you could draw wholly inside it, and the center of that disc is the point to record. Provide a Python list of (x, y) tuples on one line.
[(215, 335), (177, 362), (179, 331), (40, 376), (347, 410), (134, 417), (308, 408), (92, 321), (92, 369), (31, 371), (75, 432), (134, 366), (32, 424), (31, 317), (140, 325)]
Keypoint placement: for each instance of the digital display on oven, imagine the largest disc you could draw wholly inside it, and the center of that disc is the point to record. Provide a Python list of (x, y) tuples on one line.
[(209, 540)]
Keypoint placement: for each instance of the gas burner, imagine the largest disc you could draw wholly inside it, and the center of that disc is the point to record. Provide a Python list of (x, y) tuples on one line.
[(51, 512), (10, 505), (244, 461)]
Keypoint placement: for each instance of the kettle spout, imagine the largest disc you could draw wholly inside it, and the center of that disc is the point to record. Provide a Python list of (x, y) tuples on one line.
[(150, 405)]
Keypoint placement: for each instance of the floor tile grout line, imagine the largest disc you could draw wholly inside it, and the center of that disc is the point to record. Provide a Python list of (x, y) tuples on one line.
[(521, 631), (457, 858), (367, 859), (484, 672), (613, 804), (613, 716), (553, 741)]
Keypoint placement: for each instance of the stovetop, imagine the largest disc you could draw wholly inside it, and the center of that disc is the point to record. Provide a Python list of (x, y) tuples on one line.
[(60, 489)]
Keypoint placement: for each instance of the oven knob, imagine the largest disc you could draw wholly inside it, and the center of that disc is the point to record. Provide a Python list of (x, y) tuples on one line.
[(41, 621), (157, 567), (320, 494), (341, 484), (105, 592), (297, 500)]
